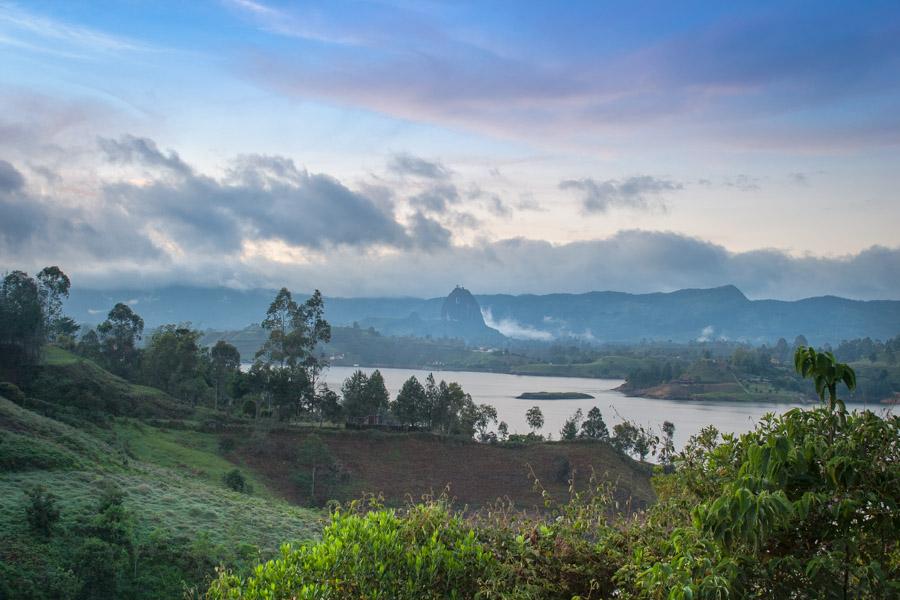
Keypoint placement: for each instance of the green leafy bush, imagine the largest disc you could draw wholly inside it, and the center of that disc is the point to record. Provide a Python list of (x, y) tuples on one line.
[(11, 392), (806, 506), (428, 552), (41, 511), (235, 480)]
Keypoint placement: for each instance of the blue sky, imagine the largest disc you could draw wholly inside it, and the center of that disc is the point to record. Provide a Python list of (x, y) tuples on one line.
[(403, 147)]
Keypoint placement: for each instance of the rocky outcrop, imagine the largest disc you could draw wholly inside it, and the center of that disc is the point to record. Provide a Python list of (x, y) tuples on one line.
[(462, 307)]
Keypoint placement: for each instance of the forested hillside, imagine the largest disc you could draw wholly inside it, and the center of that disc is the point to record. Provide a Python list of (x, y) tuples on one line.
[(601, 317)]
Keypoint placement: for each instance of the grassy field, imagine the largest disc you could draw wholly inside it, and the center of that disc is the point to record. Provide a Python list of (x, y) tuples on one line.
[(82, 430), (171, 481), (184, 520)]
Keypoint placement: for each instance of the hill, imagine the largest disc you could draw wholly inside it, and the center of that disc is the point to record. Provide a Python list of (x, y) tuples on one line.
[(85, 436), (182, 521), (682, 315), (718, 381)]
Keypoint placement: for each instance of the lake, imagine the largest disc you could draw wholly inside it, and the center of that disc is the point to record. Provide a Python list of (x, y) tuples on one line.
[(500, 390)]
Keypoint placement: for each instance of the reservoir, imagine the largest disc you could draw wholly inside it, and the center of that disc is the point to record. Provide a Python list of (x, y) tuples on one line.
[(500, 390)]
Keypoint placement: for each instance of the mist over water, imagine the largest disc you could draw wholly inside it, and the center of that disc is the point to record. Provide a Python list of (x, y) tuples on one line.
[(500, 390)]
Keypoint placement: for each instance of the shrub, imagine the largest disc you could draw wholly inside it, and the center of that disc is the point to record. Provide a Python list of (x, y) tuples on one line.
[(11, 392), (808, 501), (100, 566), (805, 506), (235, 480), (41, 511), (428, 552), (248, 408)]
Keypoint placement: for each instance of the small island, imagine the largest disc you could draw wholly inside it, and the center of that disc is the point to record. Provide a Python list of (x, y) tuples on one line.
[(554, 396)]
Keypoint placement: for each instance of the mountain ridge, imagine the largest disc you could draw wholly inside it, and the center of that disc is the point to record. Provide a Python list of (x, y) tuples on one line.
[(597, 317)]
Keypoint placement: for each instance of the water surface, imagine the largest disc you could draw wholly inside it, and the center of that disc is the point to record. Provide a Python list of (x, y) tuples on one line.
[(500, 390)]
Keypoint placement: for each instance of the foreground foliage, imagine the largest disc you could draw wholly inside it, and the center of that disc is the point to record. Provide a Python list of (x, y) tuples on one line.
[(804, 506), (427, 553)]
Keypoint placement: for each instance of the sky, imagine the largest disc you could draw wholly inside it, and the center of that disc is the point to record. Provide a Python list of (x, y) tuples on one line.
[(401, 148)]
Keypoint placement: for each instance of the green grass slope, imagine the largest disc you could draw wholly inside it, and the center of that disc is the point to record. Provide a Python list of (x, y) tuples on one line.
[(185, 521), (66, 379)]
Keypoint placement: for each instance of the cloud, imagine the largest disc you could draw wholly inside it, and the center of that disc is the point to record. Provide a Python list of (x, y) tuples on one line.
[(168, 218), (37, 228), (437, 198), (706, 334), (798, 178), (265, 222), (633, 261), (744, 183), (527, 201), (10, 178), (497, 207), (637, 192), (262, 198), (131, 149), (749, 77), (407, 164), (64, 35), (513, 329), (427, 233)]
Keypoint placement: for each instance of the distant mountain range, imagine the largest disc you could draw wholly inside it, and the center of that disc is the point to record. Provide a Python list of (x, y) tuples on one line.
[(681, 316)]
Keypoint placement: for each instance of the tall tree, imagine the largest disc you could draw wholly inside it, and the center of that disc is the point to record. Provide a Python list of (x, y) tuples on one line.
[(535, 419), (54, 286), (667, 449), (502, 431), (432, 394), (330, 408), (354, 390), (119, 336), (278, 321), (410, 407), (295, 330), (569, 429), (226, 361), (377, 396), (22, 323), (174, 361), (594, 427), (89, 345), (485, 416)]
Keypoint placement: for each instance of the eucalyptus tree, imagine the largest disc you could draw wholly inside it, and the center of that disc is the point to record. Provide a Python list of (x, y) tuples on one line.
[(22, 323), (288, 358), (175, 362), (535, 419), (226, 361), (53, 286), (119, 336), (30, 315), (569, 429)]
